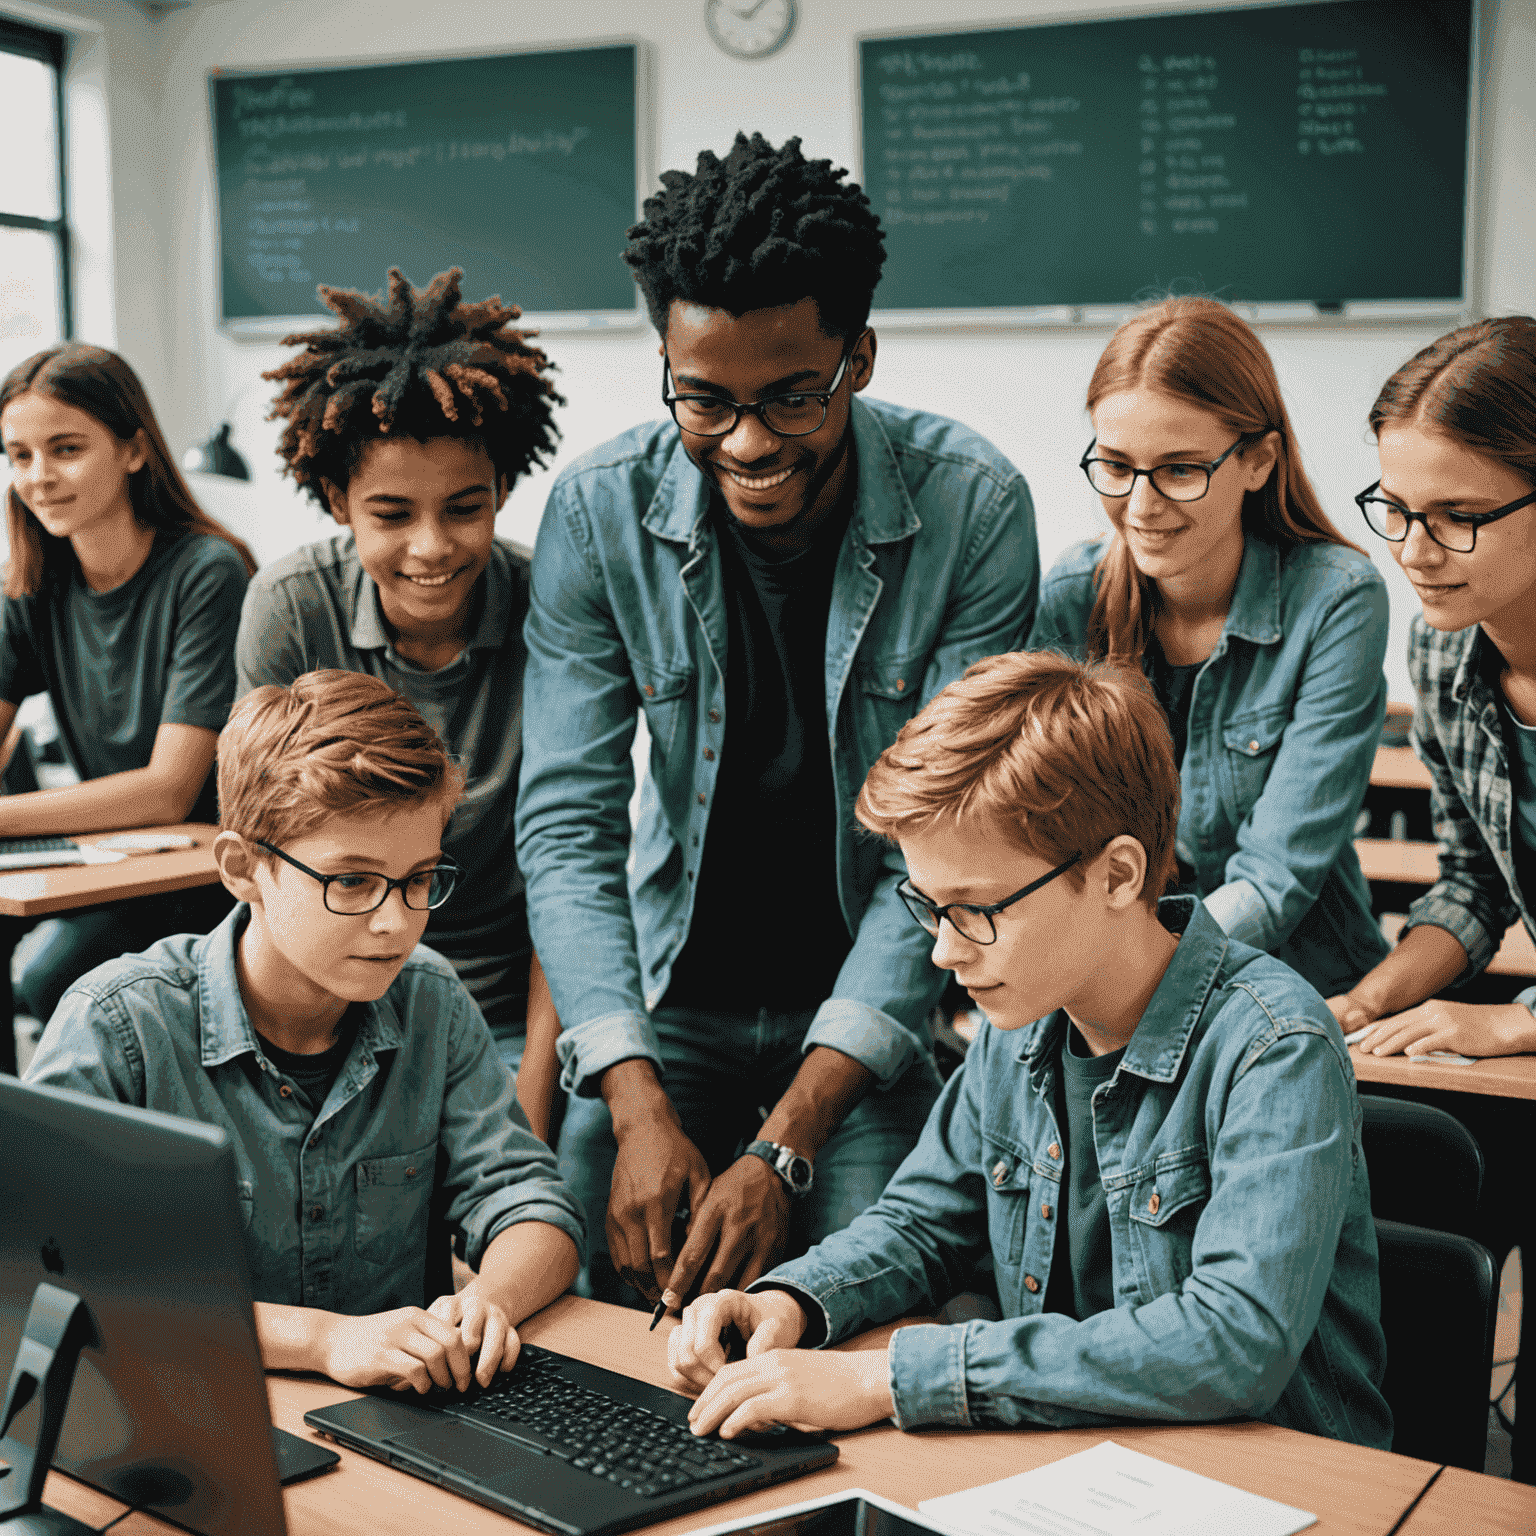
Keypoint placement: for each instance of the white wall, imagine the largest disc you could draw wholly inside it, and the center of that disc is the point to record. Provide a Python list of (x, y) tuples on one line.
[(1023, 391)]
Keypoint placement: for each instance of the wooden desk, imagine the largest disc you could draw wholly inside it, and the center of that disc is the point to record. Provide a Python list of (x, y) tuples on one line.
[(1499, 1077), (1399, 768), (1398, 860), (68, 887), (1354, 1491), (1461, 1502)]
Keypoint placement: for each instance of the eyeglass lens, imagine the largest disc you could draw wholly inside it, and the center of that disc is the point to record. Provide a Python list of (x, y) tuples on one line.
[(787, 416), (975, 926), (1391, 522), (1178, 482), (350, 895)]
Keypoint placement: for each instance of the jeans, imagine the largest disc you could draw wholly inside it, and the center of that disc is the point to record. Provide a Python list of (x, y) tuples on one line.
[(724, 1073)]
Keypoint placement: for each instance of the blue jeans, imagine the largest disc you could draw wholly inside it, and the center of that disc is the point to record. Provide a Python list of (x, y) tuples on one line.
[(724, 1073)]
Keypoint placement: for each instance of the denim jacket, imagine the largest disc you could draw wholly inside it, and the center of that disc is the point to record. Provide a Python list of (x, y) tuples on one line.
[(1284, 720), (939, 568), (1243, 1249), (421, 1132), (1458, 735)]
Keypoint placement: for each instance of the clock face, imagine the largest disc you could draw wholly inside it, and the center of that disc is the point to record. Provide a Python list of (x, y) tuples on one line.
[(750, 29)]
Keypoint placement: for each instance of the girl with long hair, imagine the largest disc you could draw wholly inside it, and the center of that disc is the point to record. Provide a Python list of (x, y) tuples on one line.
[(121, 602), (1456, 430), (1261, 629)]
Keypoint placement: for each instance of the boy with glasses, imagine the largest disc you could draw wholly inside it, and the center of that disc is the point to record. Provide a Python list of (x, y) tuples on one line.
[(778, 574), (359, 1084), (1154, 1135)]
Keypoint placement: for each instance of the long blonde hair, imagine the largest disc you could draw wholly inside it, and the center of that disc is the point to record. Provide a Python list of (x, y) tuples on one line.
[(1197, 351), (101, 384)]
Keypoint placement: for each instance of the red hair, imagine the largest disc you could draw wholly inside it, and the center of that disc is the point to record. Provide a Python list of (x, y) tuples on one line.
[(1197, 351)]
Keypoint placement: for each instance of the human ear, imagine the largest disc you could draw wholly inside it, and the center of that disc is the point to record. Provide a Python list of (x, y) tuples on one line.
[(503, 487), (237, 867), (1124, 866), (862, 364), (336, 500), (1259, 460), (138, 453)]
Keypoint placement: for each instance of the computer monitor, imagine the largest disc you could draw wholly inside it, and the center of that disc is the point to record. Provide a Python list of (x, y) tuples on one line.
[(135, 1213)]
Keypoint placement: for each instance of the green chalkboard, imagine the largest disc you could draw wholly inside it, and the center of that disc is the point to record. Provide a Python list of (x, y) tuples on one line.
[(1297, 152), (520, 168)]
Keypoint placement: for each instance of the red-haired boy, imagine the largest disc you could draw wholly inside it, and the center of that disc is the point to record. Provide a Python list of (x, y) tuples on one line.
[(356, 1079), (1154, 1136)]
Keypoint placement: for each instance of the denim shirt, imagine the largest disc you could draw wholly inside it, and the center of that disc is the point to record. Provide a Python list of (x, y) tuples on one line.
[(1243, 1249), (1460, 739), (939, 569), (421, 1132), (1284, 720)]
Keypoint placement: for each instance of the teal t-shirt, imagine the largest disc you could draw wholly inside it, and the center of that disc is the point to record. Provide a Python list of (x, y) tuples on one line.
[(1082, 1276)]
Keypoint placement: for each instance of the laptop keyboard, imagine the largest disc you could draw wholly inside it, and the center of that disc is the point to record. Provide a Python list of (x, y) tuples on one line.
[(36, 844), (629, 1446)]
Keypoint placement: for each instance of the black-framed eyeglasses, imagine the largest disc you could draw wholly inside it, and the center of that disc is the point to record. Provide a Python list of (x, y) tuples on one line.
[(966, 918), (793, 415), (1177, 482), (353, 893), (1455, 531)]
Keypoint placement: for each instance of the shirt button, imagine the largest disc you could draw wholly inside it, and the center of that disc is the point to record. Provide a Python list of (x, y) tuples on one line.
[(1154, 1202), (410, 1173), (1031, 1284), (999, 1173), (1253, 746), (286, 1091), (901, 684), (650, 692), (703, 799), (1053, 1150), (1045, 1211), (709, 754), (316, 1212), (714, 717)]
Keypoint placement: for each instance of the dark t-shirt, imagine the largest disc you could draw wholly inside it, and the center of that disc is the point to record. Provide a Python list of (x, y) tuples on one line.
[(768, 929), (157, 650), (1082, 1274), (314, 1073), (1520, 749), (1173, 687)]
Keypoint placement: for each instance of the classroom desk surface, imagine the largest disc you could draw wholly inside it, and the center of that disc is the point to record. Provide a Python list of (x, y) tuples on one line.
[(1500, 1077), (1460, 1502), (1353, 1491), (1399, 768), (67, 887)]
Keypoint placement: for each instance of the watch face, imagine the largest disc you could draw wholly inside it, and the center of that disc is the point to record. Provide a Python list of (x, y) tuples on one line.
[(750, 29), (798, 1171)]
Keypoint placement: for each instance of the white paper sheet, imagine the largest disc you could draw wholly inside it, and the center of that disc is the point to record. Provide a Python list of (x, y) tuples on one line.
[(1112, 1491)]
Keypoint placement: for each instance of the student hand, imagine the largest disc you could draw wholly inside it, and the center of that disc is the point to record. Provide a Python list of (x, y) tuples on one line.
[(1470, 1029), (482, 1325), (1352, 1012), (744, 1224), (767, 1320), (657, 1170), (408, 1347), (802, 1388)]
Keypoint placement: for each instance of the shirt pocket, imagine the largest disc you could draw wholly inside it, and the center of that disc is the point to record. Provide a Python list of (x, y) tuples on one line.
[(1168, 1196), (1007, 1176), (665, 693), (1251, 743), (888, 694), (394, 1197)]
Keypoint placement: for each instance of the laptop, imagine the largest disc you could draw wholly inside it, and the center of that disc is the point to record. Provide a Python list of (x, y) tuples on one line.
[(567, 1447)]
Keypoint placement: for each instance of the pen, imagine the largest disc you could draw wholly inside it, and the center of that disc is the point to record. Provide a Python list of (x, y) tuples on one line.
[(679, 1218), (658, 1314)]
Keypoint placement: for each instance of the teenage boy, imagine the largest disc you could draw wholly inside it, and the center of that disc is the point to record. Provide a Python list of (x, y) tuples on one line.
[(778, 574), (369, 1112), (409, 422), (1155, 1134)]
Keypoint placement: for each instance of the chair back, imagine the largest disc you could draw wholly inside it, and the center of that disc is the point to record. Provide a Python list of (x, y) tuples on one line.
[(1426, 1167), (1439, 1296)]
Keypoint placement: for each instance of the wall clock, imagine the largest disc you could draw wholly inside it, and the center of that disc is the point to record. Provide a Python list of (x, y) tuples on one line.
[(750, 29)]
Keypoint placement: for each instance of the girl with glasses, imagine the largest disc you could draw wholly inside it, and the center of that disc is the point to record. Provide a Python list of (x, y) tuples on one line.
[(1260, 628), (1456, 431)]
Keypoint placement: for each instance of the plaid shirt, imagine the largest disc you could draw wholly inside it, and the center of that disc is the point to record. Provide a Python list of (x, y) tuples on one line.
[(1459, 736)]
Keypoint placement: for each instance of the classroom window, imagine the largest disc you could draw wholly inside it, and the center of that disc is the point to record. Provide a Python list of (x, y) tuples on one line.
[(34, 237)]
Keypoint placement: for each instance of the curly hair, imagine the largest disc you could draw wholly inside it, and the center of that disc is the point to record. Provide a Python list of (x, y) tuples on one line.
[(424, 365), (762, 227)]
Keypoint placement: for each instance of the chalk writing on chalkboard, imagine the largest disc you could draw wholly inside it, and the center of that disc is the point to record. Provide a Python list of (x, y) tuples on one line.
[(1264, 152), (521, 169)]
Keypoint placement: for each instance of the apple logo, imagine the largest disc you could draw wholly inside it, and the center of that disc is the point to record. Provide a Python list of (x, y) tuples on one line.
[(53, 1257)]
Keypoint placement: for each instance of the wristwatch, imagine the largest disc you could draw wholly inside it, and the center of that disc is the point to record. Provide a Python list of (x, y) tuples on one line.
[(790, 1166)]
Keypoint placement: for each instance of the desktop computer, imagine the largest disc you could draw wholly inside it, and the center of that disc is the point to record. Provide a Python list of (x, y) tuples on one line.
[(122, 1254)]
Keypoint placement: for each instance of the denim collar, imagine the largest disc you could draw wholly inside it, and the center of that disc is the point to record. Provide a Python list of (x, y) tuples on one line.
[(882, 515), (1255, 611), (494, 597), (1157, 1047), (224, 1027)]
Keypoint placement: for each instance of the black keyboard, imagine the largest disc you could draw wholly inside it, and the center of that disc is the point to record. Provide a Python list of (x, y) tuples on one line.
[(630, 1446), (36, 844)]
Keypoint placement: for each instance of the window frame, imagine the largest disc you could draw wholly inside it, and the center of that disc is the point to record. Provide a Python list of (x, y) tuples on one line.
[(48, 48)]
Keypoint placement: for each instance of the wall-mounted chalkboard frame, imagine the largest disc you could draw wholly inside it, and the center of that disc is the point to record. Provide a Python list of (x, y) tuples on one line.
[(902, 303), (566, 127)]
